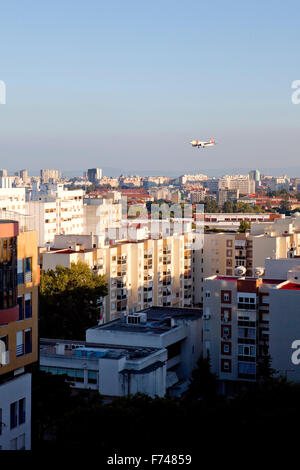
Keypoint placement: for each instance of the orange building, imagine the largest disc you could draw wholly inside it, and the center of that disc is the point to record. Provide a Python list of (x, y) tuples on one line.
[(19, 281)]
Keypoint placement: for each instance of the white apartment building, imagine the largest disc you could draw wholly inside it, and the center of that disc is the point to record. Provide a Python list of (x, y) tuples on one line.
[(243, 183), (177, 330), (56, 211), (13, 200), (49, 176), (140, 273), (245, 319), (15, 413), (224, 251), (101, 214), (113, 371)]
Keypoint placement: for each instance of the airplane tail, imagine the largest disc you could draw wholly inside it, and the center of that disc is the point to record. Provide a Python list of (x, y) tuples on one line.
[(212, 140)]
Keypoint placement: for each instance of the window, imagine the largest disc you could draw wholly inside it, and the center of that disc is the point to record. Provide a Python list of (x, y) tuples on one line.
[(207, 294), (225, 315), (28, 270), (21, 308), (13, 415), (0, 421), (20, 271), (226, 297), (28, 341), (226, 332), (20, 345), (246, 350), (225, 365), (226, 348), (28, 309), (22, 414), (92, 377)]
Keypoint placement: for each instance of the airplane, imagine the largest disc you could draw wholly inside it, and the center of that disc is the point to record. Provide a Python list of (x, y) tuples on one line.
[(198, 143)]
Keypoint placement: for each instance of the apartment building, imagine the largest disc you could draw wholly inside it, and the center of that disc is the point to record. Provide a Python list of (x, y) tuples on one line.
[(50, 176), (140, 273), (56, 211), (243, 183), (12, 199), (177, 330), (114, 371), (197, 196), (244, 320), (19, 272), (224, 251), (99, 214), (230, 221), (94, 174), (225, 195)]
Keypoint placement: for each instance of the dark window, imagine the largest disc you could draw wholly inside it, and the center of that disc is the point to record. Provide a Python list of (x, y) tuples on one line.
[(22, 414), (21, 309), (28, 309), (13, 415), (27, 265), (174, 350), (28, 342)]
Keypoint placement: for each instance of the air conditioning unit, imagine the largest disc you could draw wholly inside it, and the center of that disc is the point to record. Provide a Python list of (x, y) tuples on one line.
[(206, 316), (4, 358)]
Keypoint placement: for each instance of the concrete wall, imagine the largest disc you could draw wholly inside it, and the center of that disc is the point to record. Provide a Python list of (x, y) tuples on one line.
[(10, 392)]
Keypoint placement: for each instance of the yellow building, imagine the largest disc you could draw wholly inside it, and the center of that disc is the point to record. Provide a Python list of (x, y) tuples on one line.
[(19, 281)]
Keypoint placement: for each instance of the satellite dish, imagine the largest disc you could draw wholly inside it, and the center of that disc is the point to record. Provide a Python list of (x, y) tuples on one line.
[(240, 270), (259, 271)]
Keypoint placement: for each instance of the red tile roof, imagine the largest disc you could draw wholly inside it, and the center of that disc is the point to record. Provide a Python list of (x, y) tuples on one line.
[(290, 286)]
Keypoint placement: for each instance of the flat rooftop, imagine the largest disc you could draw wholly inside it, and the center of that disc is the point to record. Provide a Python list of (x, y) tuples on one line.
[(236, 278), (86, 350), (158, 320)]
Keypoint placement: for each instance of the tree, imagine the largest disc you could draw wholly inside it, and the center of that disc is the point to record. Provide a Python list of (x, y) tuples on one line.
[(285, 206), (265, 371), (203, 383), (210, 205), (69, 301), (228, 207), (244, 225)]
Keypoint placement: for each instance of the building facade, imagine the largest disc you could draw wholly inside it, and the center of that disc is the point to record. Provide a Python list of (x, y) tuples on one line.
[(19, 273)]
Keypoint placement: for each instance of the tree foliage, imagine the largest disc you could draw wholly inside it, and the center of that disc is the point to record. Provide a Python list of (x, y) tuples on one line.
[(244, 225), (203, 383), (69, 301)]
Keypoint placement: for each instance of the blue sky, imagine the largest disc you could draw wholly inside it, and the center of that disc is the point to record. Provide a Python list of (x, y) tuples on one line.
[(127, 84)]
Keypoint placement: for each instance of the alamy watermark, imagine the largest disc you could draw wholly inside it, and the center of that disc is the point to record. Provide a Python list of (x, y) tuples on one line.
[(158, 221), (296, 354), (2, 92), (296, 94)]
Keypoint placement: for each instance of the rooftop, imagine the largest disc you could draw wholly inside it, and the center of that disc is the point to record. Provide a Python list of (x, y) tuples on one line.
[(158, 320), (290, 286), (241, 278), (82, 349)]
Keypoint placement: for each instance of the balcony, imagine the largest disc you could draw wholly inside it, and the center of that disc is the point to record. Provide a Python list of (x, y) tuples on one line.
[(246, 306), (28, 277), (9, 315), (121, 297)]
